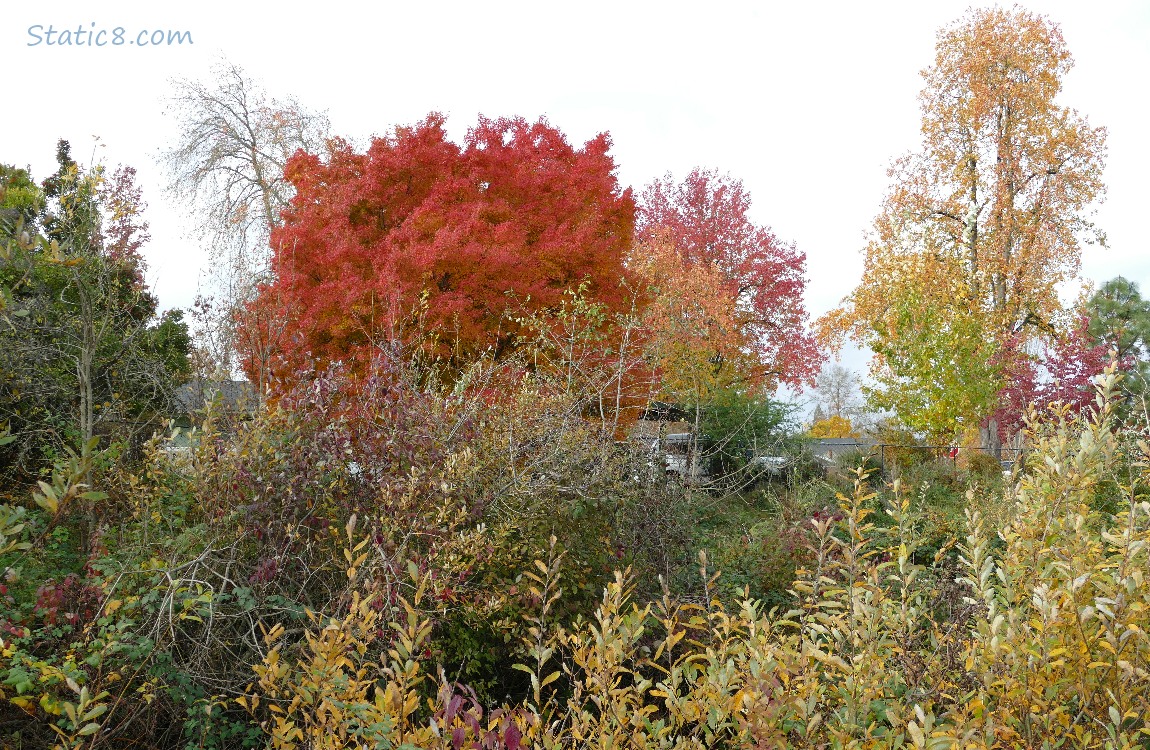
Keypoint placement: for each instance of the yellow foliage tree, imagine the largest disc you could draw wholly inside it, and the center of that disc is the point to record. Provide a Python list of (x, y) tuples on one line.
[(833, 426), (996, 198)]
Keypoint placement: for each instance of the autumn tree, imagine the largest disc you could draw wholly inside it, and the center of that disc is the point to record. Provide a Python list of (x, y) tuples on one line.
[(227, 168), (725, 317), (833, 426), (935, 364), (88, 355), (837, 391), (424, 240), (838, 401), (998, 196), (757, 279), (695, 339), (1063, 369)]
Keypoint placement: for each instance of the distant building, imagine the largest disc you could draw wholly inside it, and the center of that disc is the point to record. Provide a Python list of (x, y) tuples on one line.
[(231, 399), (236, 397), (828, 450)]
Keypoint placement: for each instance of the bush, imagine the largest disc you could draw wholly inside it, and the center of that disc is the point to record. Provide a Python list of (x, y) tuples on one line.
[(415, 600), (849, 462), (248, 531), (874, 654), (983, 465)]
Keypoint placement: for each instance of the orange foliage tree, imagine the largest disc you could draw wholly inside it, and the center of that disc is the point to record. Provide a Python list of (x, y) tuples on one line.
[(997, 196), (732, 293), (694, 335)]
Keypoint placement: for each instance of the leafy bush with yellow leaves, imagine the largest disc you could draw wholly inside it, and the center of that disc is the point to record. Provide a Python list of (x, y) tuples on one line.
[(266, 593), (1033, 636), (151, 594)]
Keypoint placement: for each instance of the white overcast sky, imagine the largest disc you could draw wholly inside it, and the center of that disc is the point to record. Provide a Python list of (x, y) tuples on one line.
[(807, 103)]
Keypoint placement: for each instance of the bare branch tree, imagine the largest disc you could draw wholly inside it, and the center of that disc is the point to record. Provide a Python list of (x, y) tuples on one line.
[(837, 391), (227, 169)]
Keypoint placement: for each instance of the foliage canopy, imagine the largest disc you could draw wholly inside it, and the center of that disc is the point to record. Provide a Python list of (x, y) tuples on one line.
[(995, 202)]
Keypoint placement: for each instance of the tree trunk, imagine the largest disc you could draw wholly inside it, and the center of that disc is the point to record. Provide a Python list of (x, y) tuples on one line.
[(991, 440)]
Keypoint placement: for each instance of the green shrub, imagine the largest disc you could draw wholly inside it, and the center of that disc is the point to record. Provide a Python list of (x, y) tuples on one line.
[(983, 465), (849, 462)]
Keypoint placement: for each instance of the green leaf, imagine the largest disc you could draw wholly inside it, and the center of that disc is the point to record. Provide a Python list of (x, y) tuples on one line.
[(96, 712)]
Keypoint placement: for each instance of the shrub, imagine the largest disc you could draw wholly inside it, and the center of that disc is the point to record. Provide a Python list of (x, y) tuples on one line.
[(849, 462), (1046, 640), (407, 606), (983, 465)]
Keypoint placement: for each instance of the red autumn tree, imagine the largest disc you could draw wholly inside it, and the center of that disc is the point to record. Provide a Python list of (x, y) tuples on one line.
[(421, 239), (706, 218), (1065, 373)]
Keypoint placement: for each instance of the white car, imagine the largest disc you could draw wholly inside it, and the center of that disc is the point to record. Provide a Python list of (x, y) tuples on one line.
[(773, 465)]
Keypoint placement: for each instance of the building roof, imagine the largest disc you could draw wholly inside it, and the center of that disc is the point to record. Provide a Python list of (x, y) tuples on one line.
[(661, 411), (234, 395)]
